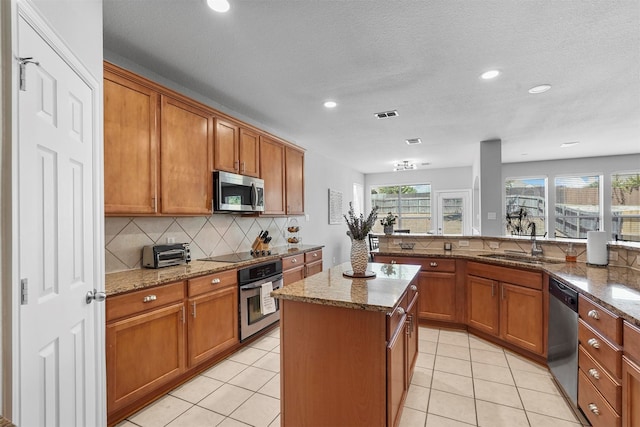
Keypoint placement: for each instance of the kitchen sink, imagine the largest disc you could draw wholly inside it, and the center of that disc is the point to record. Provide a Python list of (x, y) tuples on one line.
[(523, 258)]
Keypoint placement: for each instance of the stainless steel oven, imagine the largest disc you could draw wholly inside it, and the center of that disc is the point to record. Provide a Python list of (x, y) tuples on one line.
[(253, 318)]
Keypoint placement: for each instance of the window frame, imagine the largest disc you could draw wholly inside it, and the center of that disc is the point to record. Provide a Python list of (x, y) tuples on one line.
[(545, 216), (601, 206), (382, 213), (614, 229)]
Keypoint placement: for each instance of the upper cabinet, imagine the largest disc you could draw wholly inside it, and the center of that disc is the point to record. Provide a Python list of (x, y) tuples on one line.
[(185, 158), (295, 181), (131, 136), (272, 172), (160, 150), (236, 149)]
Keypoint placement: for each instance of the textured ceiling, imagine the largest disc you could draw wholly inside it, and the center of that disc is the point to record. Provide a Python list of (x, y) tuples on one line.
[(277, 61)]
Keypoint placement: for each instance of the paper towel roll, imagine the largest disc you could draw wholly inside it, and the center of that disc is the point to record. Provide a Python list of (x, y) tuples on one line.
[(597, 248)]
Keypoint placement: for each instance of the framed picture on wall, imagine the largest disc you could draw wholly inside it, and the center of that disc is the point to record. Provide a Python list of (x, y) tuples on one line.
[(335, 207)]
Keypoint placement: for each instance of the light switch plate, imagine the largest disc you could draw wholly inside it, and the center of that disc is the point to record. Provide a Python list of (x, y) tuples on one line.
[(491, 215), (447, 246), (463, 243)]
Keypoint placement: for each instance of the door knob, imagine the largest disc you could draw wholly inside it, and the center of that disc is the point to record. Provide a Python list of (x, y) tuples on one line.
[(94, 295)]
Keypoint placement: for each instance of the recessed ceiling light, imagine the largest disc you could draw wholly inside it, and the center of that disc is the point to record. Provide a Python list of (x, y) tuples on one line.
[(413, 141), (569, 144), (218, 5), (491, 74), (386, 114), (330, 104), (540, 89)]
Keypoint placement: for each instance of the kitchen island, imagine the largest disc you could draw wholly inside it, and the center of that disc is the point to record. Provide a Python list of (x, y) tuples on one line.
[(348, 346)]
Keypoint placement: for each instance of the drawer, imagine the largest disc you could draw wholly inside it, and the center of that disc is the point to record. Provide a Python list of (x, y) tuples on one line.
[(212, 282), (632, 342), (607, 354), (439, 264), (600, 319), (397, 316), (609, 387), (594, 406), (132, 303), (292, 261), (313, 256)]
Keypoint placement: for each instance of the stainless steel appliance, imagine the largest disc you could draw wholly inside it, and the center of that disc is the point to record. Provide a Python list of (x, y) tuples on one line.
[(237, 193), (250, 281), (562, 357), (157, 256)]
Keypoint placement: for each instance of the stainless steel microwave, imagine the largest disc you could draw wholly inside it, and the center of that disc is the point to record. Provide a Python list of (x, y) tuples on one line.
[(237, 193)]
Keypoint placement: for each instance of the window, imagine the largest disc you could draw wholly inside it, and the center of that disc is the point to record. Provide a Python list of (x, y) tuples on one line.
[(577, 208), (525, 200), (411, 203), (625, 206)]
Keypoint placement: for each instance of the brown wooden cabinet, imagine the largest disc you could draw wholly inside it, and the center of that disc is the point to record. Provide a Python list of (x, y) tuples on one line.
[(212, 325), (294, 168), (600, 363), (397, 383), (236, 149), (131, 137), (272, 172), (185, 158), (508, 303), (631, 376), (292, 268), (312, 262), (145, 339)]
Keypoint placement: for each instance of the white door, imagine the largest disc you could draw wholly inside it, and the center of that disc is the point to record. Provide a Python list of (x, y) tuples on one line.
[(58, 364), (454, 212)]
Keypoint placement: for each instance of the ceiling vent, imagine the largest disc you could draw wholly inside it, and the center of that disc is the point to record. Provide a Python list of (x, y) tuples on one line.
[(386, 114), (413, 141)]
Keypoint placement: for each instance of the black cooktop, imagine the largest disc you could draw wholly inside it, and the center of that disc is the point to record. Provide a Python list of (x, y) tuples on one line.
[(236, 257)]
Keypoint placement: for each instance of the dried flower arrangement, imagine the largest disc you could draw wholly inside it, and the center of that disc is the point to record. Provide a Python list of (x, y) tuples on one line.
[(358, 226)]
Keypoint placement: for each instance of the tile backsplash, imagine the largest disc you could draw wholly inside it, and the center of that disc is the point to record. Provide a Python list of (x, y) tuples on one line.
[(207, 236)]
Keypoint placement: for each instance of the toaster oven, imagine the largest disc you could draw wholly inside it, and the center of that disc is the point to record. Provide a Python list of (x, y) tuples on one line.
[(158, 256)]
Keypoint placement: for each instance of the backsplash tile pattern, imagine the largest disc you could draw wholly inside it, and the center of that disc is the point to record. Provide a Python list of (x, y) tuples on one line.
[(207, 236)]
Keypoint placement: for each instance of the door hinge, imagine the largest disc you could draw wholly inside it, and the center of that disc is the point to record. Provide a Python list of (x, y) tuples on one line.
[(23, 63), (24, 291)]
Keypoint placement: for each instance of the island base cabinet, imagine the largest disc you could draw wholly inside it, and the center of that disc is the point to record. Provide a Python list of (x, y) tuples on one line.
[(630, 393), (397, 380), (333, 362), (144, 352)]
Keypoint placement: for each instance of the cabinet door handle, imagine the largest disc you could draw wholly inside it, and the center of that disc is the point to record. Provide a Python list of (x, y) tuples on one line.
[(594, 373), (433, 264), (193, 309), (502, 291), (149, 298), (153, 203), (414, 288), (493, 289), (593, 408), (315, 255), (182, 316), (215, 281), (594, 314), (393, 261), (235, 165), (242, 166), (594, 343)]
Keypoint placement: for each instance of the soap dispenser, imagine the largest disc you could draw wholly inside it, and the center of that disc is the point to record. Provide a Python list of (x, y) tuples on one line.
[(571, 254)]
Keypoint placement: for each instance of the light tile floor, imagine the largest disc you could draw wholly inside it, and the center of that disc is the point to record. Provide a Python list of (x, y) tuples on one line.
[(459, 380)]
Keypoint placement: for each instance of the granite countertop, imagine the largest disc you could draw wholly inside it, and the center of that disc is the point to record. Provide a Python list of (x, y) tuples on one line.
[(615, 288), (330, 287), (131, 280)]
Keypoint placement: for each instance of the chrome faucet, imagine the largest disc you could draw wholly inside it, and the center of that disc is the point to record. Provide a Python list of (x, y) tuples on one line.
[(536, 250)]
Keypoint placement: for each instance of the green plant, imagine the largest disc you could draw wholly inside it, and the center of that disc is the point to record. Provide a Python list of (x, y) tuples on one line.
[(390, 219), (358, 226)]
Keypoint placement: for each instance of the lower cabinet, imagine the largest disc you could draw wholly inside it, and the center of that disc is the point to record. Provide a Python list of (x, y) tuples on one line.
[(146, 350), (514, 312), (631, 376), (397, 377), (297, 267), (212, 317)]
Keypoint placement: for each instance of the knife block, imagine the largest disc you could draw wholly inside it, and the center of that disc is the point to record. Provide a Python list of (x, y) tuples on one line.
[(259, 246)]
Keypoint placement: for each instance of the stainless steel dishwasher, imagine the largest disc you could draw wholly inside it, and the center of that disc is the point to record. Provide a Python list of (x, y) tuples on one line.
[(562, 356)]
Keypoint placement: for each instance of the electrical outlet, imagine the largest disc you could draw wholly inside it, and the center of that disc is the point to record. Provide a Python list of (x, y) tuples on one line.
[(613, 256), (171, 240), (463, 243), (494, 245)]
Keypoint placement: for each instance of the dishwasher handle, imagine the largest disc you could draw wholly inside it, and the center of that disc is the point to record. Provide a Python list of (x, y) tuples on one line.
[(564, 293)]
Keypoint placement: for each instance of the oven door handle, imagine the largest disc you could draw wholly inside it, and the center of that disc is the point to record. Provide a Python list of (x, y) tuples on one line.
[(251, 286)]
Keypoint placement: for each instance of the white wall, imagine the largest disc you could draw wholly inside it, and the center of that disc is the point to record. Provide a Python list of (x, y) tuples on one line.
[(604, 166), (490, 187)]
